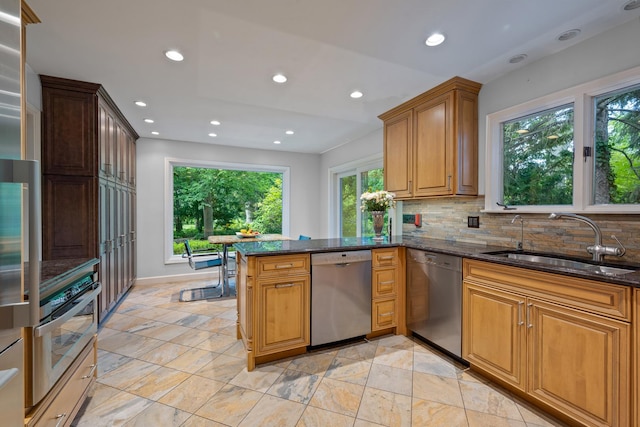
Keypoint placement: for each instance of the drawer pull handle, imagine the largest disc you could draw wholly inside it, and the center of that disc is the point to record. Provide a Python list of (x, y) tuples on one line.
[(529, 324), (284, 266), (93, 369), (386, 314), (385, 258), (60, 418), (388, 282), (520, 321), (284, 285)]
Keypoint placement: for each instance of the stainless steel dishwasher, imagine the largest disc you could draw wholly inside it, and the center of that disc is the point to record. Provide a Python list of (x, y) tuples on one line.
[(434, 299), (340, 296)]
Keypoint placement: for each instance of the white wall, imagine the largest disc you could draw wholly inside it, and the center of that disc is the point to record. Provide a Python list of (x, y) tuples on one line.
[(305, 211), (612, 51), (364, 147)]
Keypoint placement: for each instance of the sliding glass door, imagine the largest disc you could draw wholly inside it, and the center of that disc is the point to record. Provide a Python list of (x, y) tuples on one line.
[(351, 184)]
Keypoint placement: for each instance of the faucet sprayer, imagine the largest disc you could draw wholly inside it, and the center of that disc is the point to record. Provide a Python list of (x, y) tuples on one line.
[(597, 250)]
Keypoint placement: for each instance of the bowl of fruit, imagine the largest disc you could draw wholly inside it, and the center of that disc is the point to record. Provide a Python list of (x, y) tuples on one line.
[(247, 232)]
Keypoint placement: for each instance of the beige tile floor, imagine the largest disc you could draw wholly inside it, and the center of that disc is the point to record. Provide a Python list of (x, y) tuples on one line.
[(162, 362)]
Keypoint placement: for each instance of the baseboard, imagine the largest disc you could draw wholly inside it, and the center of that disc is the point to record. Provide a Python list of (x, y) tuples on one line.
[(178, 278)]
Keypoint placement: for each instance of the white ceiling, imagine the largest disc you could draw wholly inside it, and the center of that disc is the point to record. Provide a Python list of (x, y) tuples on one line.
[(327, 48)]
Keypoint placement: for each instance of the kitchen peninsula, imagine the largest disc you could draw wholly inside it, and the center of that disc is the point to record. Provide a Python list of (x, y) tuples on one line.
[(514, 296)]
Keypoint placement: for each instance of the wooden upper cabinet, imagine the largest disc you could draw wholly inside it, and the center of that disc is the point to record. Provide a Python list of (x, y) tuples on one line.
[(398, 154), (431, 142), (68, 131)]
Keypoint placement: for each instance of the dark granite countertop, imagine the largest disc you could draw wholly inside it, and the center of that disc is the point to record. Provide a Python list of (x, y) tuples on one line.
[(466, 250)]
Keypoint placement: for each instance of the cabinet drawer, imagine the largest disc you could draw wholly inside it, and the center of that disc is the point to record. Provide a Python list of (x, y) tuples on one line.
[(384, 257), (384, 282), (70, 392), (384, 314), (285, 265)]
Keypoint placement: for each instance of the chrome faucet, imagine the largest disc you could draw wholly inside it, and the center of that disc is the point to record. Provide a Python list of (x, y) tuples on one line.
[(521, 242), (597, 250)]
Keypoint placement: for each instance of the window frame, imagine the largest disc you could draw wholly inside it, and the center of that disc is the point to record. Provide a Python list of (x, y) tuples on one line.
[(171, 162), (581, 97), (374, 161)]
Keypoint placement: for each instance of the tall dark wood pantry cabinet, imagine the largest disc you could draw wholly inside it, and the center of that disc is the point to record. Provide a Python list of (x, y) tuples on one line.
[(89, 187)]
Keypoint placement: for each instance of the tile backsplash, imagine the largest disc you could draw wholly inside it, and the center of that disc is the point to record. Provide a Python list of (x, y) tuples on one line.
[(446, 219)]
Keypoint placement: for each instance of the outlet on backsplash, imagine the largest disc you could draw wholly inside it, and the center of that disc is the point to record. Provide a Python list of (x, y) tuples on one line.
[(473, 221)]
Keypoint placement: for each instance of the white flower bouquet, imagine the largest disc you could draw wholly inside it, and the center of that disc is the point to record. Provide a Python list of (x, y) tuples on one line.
[(377, 201)]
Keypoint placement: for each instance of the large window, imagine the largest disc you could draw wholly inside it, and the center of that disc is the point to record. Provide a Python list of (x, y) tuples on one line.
[(222, 198), (617, 147), (538, 158), (577, 150)]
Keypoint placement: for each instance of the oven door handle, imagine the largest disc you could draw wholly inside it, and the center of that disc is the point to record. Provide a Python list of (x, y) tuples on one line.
[(47, 327)]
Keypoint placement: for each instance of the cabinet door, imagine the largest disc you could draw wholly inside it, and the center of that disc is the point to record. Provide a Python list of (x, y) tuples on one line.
[(579, 363), (433, 148), (69, 132), (636, 356), (466, 144), (493, 332), (69, 217), (398, 155), (283, 315), (106, 298), (106, 140)]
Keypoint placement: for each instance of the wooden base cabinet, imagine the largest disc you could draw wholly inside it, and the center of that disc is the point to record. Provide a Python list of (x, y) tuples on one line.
[(562, 342), (62, 403), (636, 356), (387, 293), (274, 306)]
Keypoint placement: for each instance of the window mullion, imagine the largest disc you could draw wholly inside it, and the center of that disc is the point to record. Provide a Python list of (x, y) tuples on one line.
[(582, 166)]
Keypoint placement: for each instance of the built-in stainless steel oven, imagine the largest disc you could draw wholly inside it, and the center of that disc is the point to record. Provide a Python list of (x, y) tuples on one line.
[(68, 321)]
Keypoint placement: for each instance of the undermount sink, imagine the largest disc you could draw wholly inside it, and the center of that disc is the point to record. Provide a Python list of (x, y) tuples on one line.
[(563, 262)]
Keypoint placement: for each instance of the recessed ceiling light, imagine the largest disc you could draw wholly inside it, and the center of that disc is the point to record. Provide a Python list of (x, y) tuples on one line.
[(517, 58), (213, 135), (141, 103), (356, 94), (276, 142), (553, 137), (155, 133), (289, 132), (522, 131), (434, 39), (279, 78), (174, 55), (148, 120), (633, 4), (568, 35), (215, 122)]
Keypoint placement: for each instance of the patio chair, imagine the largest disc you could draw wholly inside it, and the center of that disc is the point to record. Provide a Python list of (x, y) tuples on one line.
[(199, 260)]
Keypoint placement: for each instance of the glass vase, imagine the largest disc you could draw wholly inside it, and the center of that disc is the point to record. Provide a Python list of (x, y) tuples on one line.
[(378, 223)]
